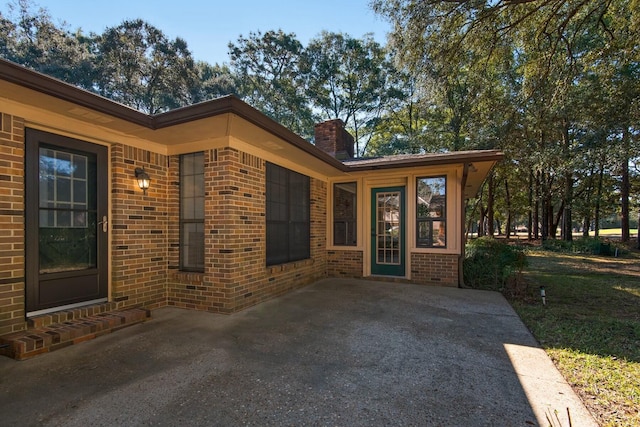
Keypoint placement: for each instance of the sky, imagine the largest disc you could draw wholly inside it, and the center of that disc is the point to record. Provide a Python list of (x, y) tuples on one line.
[(209, 25)]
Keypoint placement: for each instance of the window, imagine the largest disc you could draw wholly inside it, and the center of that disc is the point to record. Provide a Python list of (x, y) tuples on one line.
[(431, 215), (192, 212), (344, 214), (288, 215)]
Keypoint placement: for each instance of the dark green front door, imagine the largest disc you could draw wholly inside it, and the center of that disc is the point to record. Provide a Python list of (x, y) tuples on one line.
[(388, 231), (66, 218)]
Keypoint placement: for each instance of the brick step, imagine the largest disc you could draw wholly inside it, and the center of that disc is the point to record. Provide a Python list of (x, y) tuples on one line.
[(33, 341)]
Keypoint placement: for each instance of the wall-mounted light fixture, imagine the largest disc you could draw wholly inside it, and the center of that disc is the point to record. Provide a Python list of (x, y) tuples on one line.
[(143, 179)]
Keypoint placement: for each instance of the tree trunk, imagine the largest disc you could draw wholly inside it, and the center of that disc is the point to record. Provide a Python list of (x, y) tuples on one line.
[(586, 219), (586, 224), (625, 185), (596, 216), (490, 203), (558, 218), (482, 230), (638, 230), (531, 207), (567, 229), (508, 201), (544, 232), (536, 212)]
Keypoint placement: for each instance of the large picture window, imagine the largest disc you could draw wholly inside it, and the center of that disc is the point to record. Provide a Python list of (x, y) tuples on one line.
[(431, 215), (288, 215), (344, 214), (192, 212)]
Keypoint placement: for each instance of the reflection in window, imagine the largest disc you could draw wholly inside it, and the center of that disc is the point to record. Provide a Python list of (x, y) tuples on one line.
[(344, 214), (63, 189), (192, 212), (67, 211), (431, 212)]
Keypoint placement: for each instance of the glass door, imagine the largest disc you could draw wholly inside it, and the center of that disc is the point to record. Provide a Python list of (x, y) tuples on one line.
[(388, 231), (67, 222)]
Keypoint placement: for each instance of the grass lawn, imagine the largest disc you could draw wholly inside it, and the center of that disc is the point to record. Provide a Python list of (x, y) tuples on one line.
[(590, 327)]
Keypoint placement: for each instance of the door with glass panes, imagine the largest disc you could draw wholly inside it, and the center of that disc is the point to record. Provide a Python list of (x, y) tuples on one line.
[(388, 231), (66, 222)]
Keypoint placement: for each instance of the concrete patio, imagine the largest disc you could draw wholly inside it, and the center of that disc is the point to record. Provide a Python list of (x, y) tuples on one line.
[(336, 353)]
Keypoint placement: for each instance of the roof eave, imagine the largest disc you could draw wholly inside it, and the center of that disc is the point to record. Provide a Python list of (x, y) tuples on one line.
[(42, 83), (47, 85), (22, 76), (453, 158)]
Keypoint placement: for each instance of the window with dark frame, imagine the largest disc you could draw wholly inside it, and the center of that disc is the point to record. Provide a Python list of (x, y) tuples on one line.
[(431, 212), (192, 212), (344, 214), (288, 215)]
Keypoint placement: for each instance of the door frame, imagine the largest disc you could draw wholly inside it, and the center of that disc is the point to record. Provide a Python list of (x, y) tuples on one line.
[(33, 140), (395, 270)]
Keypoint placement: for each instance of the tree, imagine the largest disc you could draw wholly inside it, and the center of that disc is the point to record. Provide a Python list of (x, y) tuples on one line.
[(550, 48), (401, 127), (268, 76), (214, 81), (30, 37), (347, 80), (140, 67)]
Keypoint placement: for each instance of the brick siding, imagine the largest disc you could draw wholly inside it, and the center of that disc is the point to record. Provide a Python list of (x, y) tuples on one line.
[(235, 275), (344, 263), (138, 229), (434, 269), (145, 236), (12, 284)]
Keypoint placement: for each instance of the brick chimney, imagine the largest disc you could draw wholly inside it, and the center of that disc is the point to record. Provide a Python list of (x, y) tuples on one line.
[(332, 138)]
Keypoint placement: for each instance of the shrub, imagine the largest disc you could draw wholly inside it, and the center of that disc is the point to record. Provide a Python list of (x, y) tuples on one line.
[(583, 245), (492, 264)]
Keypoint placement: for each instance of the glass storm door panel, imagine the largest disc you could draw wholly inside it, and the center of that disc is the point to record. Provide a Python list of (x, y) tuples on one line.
[(66, 221), (388, 231)]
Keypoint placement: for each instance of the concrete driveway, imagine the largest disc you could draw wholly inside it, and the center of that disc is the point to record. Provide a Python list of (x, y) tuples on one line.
[(336, 353)]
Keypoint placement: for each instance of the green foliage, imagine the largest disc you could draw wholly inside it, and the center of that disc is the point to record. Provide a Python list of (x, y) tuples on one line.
[(491, 264), (554, 84), (268, 75), (584, 245), (30, 37), (142, 68), (346, 78)]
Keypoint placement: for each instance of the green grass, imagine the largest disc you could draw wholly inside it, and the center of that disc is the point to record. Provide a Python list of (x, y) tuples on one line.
[(590, 327), (604, 232)]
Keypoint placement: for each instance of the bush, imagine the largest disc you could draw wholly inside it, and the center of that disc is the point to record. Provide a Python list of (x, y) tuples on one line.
[(583, 245), (492, 264)]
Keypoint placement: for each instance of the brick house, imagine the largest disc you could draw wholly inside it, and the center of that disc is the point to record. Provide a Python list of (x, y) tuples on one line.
[(238, 208)]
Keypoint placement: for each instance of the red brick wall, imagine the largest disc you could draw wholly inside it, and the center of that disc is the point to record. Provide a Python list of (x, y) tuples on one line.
[(332, 138), (138, 229), (434, 269), (12, 235)]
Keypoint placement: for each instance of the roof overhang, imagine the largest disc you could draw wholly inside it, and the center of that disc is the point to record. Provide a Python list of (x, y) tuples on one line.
[(180, 129), (477, 164)]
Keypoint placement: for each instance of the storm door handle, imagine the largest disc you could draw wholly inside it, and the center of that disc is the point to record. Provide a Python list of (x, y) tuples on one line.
[(105, 224)]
